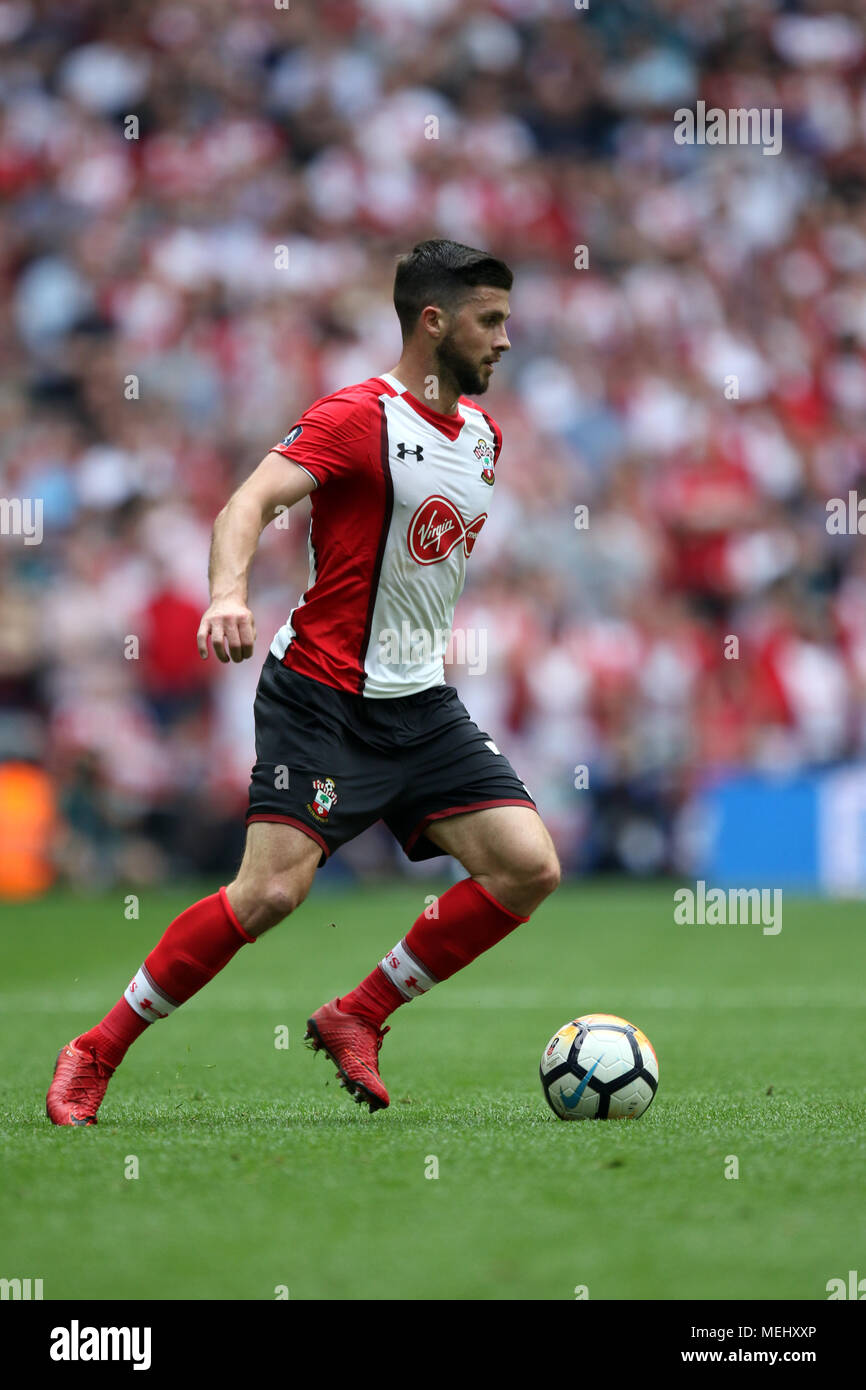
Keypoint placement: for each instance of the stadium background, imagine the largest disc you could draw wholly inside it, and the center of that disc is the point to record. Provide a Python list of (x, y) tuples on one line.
[(307, 128)]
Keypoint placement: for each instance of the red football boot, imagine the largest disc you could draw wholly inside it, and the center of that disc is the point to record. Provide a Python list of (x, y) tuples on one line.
[(80, 1082), (353, 1046)]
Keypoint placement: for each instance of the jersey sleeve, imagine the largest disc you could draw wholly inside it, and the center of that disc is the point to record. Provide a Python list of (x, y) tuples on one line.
[(497, 436), (332, 439)]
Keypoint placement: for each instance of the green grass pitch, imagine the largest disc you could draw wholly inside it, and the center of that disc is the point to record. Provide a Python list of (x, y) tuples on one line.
[(256, 1173)]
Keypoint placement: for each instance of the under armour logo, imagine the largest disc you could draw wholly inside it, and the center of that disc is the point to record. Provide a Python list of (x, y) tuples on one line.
[(403, 450)]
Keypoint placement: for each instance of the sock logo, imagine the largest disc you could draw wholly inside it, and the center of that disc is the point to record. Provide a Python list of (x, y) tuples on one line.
[(147, 998), (406, 972)]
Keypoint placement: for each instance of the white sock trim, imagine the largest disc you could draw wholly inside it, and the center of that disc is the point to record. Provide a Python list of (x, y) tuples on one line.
[(147, 998), (406, 972)]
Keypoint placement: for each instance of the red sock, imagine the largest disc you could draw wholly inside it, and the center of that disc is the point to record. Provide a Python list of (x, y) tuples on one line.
[(193, 948), (466, 921), (374, 999)]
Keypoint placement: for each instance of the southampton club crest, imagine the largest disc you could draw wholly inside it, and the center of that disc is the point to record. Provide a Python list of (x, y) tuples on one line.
[(324, 800), (484, 452)]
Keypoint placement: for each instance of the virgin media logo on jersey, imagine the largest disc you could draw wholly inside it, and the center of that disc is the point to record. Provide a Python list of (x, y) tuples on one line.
[(437, 527)]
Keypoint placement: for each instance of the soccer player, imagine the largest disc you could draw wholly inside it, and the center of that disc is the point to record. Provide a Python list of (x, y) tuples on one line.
[(354, 721)]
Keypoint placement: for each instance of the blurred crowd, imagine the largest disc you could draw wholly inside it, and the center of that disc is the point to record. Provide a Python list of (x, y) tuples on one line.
[(201, 205)]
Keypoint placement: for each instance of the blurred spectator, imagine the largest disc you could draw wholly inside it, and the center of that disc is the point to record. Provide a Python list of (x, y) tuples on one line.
[(28, 822)]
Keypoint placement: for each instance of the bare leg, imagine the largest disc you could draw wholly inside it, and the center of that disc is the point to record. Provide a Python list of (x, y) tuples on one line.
[(275, 875)]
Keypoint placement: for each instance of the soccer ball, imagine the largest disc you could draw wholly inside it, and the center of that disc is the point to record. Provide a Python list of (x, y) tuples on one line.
[(599, 1067)]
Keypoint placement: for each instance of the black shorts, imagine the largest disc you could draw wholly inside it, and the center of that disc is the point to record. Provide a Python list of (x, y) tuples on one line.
[(331, 763)]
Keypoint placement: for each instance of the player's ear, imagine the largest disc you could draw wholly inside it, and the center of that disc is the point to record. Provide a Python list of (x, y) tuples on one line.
[(432, 320)]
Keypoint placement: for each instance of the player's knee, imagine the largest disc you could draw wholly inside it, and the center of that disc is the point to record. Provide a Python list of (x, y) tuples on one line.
[(527, 882), (544, 875), (263, 902), (281, 896)]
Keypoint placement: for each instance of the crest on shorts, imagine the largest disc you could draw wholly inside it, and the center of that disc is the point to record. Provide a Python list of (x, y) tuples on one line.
[(324, 800), (484, 452)]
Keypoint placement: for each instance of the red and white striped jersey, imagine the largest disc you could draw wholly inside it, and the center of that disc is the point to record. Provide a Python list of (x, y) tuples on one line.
[(401, 494)]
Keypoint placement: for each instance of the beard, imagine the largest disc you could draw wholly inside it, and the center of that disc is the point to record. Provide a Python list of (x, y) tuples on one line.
[(464, 372)]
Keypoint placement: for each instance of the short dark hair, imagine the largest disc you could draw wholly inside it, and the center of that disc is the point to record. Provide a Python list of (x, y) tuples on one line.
[(440, 272)]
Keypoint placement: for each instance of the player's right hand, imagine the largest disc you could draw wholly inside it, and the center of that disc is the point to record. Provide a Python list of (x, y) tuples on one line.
[(231, 628)]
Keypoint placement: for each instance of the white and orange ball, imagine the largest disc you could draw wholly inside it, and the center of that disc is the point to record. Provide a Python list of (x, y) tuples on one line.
[(599, 1067)]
